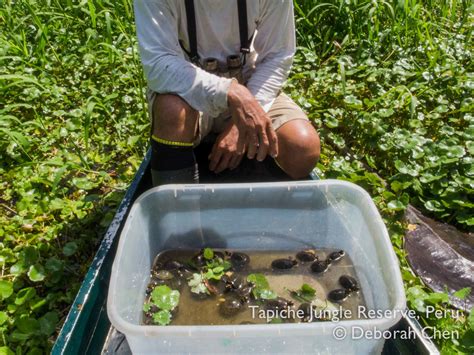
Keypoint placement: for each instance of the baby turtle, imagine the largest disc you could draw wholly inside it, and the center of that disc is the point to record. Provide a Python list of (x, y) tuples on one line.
[(307, 310), (215, 286), (233, 282), (230, 307), (163, 275), (306, 255), (349, 283), (278, 304), (185, 272), (199, 260), (245, 292), (320, 266), (336, 255), (283, 264), (171, 265), (239, 260), (338, 295), (219, 254)]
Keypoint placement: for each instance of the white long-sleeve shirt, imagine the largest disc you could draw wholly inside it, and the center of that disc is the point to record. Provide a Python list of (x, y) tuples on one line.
[(161, 24)]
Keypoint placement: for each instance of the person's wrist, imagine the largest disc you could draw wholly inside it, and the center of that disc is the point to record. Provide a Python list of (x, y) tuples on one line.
[(232, 92)]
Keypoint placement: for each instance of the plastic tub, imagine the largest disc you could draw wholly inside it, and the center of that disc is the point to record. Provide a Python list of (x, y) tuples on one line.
[(267, 216)]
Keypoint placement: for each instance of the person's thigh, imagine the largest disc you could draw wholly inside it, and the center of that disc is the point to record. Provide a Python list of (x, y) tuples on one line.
[(284, 110)]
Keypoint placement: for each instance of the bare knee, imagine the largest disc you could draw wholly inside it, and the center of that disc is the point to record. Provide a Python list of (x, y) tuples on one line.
[(299, 148), (174, 119)]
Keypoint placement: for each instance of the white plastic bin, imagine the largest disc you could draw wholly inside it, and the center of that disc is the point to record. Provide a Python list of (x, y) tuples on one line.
[(266, 216)]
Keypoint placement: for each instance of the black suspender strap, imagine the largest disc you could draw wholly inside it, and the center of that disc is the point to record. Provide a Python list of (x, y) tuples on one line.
[(191, 20), (243, 27), (191, 24)]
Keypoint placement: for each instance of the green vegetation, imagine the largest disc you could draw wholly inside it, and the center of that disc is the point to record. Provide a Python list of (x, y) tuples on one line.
[(262, 288), (389, 84), (305, 294), (163, 300), (73, 129), (395, 91), (213, 269)]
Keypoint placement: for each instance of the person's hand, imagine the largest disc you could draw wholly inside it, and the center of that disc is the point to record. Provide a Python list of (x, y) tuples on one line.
[(224, 153), (255, 129)]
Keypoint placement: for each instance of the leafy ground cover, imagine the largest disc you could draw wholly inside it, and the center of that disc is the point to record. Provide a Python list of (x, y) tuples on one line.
[(390, 87), (72, 133), (389, 84)]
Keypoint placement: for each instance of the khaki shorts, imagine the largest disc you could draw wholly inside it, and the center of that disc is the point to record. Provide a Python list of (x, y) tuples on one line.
[(282, 111)]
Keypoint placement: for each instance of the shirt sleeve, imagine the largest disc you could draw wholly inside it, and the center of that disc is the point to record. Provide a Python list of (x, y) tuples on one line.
[(165, 65), (275, 47)]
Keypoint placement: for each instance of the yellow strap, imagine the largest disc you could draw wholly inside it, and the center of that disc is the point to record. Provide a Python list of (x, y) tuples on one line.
[(167, 142)]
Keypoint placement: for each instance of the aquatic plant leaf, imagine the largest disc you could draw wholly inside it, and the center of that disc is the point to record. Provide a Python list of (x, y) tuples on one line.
[(352, 100), (211, 274), (70, 248), (396, 205), (259, 280), (295, 295), (416, 296), (24, 295), (307, 290), (195, 280), (226, 265), (437, 297), (305, 294), (48, 323), (162, 317), (36, 273), (470, 320), (27, 325), (196, 283), (267, 294), (5, 350), (6, 289), (462, 293), (276, 320), (218, 269), (164, 297), (262, 287), (3, 317), (208, 254)]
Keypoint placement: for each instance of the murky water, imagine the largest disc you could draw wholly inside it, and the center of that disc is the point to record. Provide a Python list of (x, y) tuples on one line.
[(193, 310)]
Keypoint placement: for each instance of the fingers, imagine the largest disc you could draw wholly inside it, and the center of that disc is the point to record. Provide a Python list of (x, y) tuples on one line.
[(264, 141), (273, 141), (263, 147), (241, 143), (214, 157), (252, 143), (235, 161), (221, 160), (239, 153), (223, 164)]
